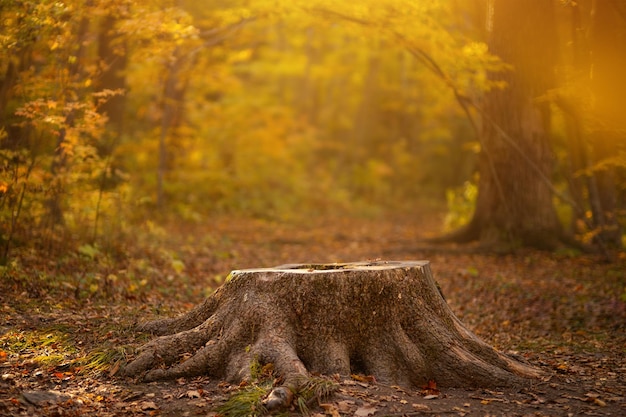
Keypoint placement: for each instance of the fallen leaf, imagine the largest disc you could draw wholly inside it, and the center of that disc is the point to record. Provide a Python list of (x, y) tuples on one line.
[(432, 385), (460, 411), (431, 397), (364, 378), (430, 388), (193, 394), (420, 407), (330, 410), (148, 405), (115, 368), (364, 411), (345, 406), (133, 395)]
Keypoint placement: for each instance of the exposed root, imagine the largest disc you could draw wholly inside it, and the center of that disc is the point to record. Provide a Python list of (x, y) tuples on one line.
[(193, 318), (488, 239)]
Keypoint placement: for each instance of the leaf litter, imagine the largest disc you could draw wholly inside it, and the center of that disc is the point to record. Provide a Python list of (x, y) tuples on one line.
[(60, 348)]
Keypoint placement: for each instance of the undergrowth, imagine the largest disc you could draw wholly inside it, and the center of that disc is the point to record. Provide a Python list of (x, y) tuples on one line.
[(103, 360)]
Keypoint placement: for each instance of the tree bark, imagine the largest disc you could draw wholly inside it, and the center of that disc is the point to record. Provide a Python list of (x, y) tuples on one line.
[(113, 57), (514, 203), (386, 319)]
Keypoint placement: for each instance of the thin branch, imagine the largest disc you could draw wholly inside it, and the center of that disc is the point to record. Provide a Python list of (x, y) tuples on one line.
[(219, 35), (434, 67)]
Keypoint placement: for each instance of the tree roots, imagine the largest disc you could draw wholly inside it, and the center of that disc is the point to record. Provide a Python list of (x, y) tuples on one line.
[(385, 319)]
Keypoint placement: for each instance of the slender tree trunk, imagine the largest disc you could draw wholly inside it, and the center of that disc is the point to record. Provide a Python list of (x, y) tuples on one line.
[(171, 118), (59, 163), (112, 54), (577, 147), (608, 46)]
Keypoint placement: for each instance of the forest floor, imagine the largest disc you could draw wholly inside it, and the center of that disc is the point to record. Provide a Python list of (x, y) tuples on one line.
[(66, 322)]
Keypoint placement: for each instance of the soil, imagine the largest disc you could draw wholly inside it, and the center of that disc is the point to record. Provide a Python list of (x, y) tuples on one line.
[(562, 312)]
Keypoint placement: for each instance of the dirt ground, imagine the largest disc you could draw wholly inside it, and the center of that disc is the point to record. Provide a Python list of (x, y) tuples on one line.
[(66, 324)]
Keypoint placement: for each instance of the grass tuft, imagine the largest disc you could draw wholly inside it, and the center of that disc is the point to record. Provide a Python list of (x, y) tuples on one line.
[(247, 402), (104, 360), (315, 388)]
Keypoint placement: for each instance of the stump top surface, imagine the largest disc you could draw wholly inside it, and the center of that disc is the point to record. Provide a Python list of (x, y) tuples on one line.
[(337, 267)]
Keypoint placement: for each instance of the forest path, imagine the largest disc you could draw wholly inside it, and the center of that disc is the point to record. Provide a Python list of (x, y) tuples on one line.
[(565, 313)]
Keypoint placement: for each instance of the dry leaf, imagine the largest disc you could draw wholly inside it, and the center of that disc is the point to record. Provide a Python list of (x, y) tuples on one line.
[(364, 378), (420, 407), (148, 405), (193, 394), (330, 410), (115, 368), (345, 406), (460, 411), (364, 411)]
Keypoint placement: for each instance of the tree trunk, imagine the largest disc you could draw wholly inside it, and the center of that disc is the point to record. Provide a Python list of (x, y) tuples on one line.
[(59, 163), (174, 90), (386, 319), (514, 203), (607, 137), (113, 57)]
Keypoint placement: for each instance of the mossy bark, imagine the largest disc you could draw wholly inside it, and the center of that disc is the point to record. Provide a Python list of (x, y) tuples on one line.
[(386, 319)]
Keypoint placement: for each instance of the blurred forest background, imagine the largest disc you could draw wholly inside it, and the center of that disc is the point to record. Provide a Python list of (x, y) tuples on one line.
[(117, 114)]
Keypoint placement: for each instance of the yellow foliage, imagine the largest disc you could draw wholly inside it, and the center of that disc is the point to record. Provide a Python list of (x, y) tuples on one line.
[(261, 106)]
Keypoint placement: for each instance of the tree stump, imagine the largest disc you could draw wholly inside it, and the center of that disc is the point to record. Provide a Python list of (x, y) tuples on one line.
[(386, 319)]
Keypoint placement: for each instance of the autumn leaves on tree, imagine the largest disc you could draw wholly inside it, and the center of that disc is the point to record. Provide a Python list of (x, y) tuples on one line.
[(110, 109)]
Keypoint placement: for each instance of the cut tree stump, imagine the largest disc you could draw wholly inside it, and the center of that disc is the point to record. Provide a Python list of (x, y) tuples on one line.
[(386, 319)]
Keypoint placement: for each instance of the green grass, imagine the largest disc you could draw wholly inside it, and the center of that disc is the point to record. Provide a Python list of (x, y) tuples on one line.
[(246, 402), (47, 346), (104, 359)]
